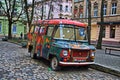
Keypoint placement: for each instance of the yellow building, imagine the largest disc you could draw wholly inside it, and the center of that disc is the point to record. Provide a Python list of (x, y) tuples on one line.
[(111, 34)]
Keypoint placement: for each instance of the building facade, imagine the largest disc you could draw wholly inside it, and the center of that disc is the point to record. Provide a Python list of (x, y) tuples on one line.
[(17, 27), (59, 9), (111, 11)]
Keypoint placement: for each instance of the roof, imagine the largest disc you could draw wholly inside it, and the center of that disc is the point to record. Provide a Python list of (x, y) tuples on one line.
[(61, 21)]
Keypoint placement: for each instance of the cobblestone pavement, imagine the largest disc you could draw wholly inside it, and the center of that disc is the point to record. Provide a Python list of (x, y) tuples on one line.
[(15, 64)]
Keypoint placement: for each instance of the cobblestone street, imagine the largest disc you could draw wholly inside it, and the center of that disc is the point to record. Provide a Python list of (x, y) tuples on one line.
[(16, 64)]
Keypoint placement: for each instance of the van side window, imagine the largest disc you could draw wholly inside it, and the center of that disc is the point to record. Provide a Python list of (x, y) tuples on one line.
[(50, 30)]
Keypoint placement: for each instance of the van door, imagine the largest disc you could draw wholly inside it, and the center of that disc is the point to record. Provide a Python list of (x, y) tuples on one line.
[(51, 29)]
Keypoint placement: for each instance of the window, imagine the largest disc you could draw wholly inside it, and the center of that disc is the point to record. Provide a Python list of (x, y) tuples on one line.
[(104, 9), (66, 0), (0, 27), (50, 30), (14, 29), (71, 9), (60, 7), (114, 8), (81, 11), (60, 17), (103, 32), (44, 9), (66, 8), (112, 31), (95, 9), (51, 16), (70, 32), (81, 15)]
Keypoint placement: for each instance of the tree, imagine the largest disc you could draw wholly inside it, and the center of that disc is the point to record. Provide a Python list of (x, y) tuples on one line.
[(29, 11), (10, 8), (50, 9), (89, 21), (99, 42)]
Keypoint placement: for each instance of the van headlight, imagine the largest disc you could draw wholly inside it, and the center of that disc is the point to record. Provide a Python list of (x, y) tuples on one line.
[(93, 53), (65, 53)]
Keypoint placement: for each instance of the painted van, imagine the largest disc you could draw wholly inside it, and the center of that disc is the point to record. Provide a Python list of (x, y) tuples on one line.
[(63, 42)]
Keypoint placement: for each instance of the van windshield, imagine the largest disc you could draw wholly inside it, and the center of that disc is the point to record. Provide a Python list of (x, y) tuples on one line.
[(70, 32)]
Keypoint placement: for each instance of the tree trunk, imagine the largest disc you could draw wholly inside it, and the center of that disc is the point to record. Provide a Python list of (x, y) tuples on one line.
[(99, 42), (50, 9), (89, 22), (42, 10), (10, 30), (29, 25)]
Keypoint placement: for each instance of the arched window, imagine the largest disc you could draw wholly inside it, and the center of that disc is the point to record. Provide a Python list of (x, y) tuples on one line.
[(66, 8), (95, 9), (112, 31), (61, 7), (105, 8)]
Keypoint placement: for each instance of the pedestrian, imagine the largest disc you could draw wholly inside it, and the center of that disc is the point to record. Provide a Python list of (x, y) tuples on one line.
[(21, 35)]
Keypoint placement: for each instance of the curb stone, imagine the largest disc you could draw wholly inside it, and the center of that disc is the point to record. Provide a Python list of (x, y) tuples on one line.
[(105, 69)]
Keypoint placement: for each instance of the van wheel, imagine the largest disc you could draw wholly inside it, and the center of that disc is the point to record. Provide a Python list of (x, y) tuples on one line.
[(54, 64)]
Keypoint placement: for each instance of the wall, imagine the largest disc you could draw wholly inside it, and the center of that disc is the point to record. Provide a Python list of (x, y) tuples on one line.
[(4, 22)]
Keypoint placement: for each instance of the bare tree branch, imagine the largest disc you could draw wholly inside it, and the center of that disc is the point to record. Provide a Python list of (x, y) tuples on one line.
[(3, 8), (13, 7)]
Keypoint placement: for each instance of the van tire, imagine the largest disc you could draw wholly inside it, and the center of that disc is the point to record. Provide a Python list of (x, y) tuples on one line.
[(54, 64)]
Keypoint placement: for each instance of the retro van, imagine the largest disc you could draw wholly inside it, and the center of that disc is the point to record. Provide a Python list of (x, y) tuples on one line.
[(61, 41)]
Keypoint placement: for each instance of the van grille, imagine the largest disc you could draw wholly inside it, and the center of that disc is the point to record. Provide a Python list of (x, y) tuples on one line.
[(80, 53)]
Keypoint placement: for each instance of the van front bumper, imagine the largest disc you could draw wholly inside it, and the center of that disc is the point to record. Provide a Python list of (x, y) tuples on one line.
[(75, 63)]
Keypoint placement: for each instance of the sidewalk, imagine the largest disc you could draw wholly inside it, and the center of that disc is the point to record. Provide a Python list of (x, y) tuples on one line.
[(107, 62)]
